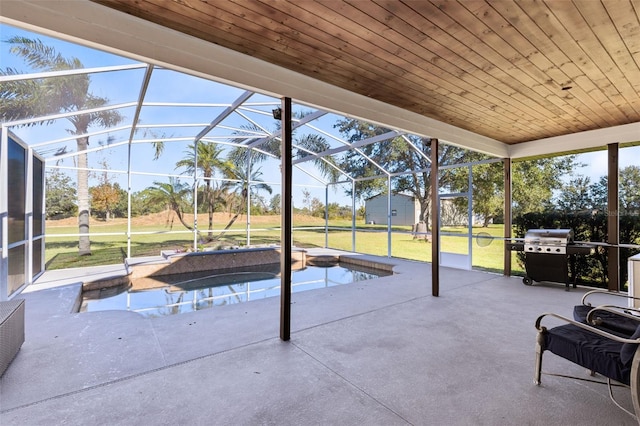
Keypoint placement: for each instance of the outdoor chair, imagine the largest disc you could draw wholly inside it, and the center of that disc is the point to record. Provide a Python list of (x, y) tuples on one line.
[(623, 321), (614, 356)]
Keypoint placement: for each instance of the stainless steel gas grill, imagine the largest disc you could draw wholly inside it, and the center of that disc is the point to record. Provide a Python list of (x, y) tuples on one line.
[(547, 253), (547, 241)]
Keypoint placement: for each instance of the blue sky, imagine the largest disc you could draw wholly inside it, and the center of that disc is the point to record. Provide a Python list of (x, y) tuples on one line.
[(165, 86), (170, 86)]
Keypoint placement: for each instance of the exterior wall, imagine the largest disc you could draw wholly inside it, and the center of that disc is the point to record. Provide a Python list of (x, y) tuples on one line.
[(405, 210)]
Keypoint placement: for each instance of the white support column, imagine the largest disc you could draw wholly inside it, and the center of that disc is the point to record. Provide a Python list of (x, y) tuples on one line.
[(4, 230), (195, 195), (389, 216), (353, 215), (326, 216), (28, 252), (248, 228), (43, 216), (470, 216), (129, 198)]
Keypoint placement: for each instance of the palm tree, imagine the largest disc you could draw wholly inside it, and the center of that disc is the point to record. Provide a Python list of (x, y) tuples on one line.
[(241, 185), (305, 145), (207, 161), (29, 98), (174, 195)]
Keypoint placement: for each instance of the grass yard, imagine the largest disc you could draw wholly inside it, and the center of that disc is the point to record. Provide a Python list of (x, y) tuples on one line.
[(152, 234)]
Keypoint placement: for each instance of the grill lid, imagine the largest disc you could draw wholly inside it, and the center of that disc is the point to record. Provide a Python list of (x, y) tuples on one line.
[(550, 241)]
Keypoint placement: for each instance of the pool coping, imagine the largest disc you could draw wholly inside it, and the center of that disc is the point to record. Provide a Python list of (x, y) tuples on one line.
[(149, 267), (69, 284)]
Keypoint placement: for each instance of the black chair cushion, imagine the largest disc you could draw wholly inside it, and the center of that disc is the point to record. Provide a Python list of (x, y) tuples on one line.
[(588, 350), (609, 321), (628, 350)]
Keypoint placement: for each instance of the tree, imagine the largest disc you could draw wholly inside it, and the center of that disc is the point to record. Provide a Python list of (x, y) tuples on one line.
[(306, 200), (258, 204), (104, 198), (303, 146), (274, 204), (173, 195), (140, 204), (359, 163), (208, 161), (629, 182), (629, 196), (407, 157), (29, 98), (534, 181), (308, 144), (488, 191), (575, 196), (316, 208), (61, 196), (599, 194), (336, 211), (242, 185), (121, 206)]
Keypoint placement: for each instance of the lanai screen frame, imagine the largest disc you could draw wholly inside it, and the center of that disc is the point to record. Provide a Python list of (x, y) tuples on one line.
[(252, 143)]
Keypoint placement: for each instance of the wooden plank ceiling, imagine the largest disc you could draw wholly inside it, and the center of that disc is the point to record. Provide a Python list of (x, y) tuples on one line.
[(512, 71)]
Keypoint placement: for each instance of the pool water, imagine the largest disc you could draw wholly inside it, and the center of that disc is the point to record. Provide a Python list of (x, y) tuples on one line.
[(187, 294)]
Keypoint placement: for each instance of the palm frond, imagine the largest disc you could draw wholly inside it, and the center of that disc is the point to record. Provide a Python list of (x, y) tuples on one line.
[(40, 56)]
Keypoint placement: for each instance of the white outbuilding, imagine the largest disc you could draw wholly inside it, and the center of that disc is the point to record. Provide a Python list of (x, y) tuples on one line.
[(405, 209)]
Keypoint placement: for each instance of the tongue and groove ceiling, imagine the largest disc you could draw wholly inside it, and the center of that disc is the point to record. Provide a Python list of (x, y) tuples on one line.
[(509, 73)]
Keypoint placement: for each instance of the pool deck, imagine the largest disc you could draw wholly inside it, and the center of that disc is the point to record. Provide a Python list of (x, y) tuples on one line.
[(376, 352)]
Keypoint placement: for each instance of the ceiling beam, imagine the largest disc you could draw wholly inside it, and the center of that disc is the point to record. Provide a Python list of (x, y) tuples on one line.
[(582, 141)]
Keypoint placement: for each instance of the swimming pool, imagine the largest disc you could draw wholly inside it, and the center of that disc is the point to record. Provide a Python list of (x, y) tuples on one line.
[(180, 294)]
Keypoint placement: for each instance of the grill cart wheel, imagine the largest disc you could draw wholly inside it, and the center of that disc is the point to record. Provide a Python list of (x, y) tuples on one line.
[(527, 281)]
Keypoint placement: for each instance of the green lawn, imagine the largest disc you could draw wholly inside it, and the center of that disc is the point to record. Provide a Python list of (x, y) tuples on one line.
[(61, 250)]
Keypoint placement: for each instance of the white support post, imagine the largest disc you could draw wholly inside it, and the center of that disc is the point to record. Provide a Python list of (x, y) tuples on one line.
[(28, 255), (129, 199), (248, 229), (353, 215), (195, 195), (326, 216), (470, 216), (389, 216), (4, 223)]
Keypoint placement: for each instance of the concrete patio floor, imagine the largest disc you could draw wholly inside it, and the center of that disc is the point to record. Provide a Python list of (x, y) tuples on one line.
[(377, 352)]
